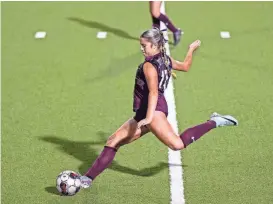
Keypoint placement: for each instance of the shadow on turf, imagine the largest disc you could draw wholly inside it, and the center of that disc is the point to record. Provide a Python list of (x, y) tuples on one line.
[(103, 27), (52, 190), (118, 66), (84, 152)]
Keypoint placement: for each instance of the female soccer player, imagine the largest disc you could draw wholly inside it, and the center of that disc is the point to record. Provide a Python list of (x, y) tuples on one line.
[(157, 16), (150, 106)]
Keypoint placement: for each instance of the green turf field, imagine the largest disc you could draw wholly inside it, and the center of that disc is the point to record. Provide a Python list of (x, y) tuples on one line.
[(62, 96)]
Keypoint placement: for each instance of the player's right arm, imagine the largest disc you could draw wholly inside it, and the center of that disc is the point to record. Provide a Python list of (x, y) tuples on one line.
[(186, 64)]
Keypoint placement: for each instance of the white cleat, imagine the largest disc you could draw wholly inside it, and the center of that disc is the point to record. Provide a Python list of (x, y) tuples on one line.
[(86, 182), (223, 120)]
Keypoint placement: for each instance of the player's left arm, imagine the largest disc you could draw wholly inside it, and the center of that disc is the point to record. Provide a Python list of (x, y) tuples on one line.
[(186, 64), (151, 76)]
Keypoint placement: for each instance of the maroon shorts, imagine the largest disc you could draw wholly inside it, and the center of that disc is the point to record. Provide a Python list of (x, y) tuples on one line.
[(161, 106)]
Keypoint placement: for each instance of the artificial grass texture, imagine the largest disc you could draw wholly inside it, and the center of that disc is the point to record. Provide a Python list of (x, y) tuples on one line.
[(64, 95)]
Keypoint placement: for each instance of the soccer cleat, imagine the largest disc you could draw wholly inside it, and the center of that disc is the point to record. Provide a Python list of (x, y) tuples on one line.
[(177, 37), (85, 182), (223, 120)]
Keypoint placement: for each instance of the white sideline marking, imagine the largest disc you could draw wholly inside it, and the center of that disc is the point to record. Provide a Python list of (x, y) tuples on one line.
[(40, 34), (174, 157), (225, 34), (101, 35)]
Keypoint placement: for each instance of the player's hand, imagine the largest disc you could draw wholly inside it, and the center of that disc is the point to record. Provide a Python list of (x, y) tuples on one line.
[(143, 122), (195, 45)]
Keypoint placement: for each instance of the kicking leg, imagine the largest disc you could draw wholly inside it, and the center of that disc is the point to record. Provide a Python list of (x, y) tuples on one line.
[(127, 133)]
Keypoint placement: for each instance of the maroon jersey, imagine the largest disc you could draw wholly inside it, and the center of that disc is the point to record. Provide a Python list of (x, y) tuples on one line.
[(141, 90)]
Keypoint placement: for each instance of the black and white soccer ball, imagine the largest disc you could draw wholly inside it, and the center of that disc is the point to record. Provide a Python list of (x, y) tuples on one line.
[(68, 183)]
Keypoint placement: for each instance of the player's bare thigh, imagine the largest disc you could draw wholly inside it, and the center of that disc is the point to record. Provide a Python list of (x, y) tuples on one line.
[(162, 129), (127, 133), (155, 8)]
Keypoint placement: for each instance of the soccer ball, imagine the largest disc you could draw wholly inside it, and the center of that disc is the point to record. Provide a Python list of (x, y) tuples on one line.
[(68, 183)]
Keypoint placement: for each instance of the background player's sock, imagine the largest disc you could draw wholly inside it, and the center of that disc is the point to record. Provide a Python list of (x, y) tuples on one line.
[(156, 23), (167, 22), (194, 133), (102, 162)]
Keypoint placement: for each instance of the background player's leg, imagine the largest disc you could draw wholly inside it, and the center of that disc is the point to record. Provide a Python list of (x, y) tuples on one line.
[(127, 133), (156, 14)]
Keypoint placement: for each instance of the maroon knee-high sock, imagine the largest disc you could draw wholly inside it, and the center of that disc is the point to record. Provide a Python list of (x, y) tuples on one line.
[(167, 22), (194, 133), (102, 162)]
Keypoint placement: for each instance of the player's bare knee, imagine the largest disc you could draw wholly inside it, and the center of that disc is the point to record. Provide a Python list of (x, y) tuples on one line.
[(120, 145), (113, 141)]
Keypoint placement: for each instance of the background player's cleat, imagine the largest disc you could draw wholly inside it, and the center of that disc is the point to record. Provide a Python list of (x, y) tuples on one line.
[(177, 37), (85, 182), (223, 120)]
